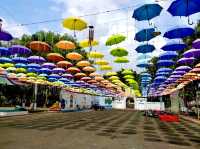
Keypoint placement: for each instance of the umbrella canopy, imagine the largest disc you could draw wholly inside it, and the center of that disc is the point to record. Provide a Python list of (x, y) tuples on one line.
[(80, 75), (192, 53), (58, 70), (48, 65), (39, 46), (111, 74), (146, 48), (119, 52), (73, 70), (20, 65), (64, 64), (95, 55), (5, 60), (121, 60), (145, 74), (55, 57), (69, 76), (33, 70), (11, 69), (143, 64), (98, 78), (179, 33), (19, 49), (83, 63), (20, 60), (115, 39), (196, 44), (160, 78), (36, 59), (113, 78), (166, 63), (127, 72), (33, 65), (145, 35), (178, 72), (185, 60), (89, 69), (94, 74), (65, 45), (101, 62), (165, 70), (183, 68), (5, 36), (105, 67), (174, 46), (45, 70), (4, 51), (74, 56), (74, 23), (64, 80), (196, 70), (168, 55), (143, 57), (6, 65), (147, 12), (86, 78), (56, 76), (86, 43), (20, 70), (128, 77)]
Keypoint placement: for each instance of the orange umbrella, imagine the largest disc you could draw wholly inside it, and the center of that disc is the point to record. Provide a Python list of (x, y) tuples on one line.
[(73, 70), (89, 69), (83, 63), (92, 81), (39, 46), (105, 81), (85, 78), (80, 75), (65, 45), (94, 74), (55, 57), (74, 56), (99, 78), (64, 64), (196, 70)]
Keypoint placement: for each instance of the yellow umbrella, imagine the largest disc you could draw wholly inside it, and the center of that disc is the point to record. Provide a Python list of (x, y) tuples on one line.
[(105, 67), (65, 45), (95, 55), (86, 43), (89, 69), (83, 63), (111, 73), (101, 62), (74, 56)]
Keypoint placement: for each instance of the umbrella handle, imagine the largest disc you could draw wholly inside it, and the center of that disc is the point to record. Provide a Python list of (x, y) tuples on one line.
[(190, 22)]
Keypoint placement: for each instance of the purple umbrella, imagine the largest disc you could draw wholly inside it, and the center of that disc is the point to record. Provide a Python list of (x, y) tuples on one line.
[(48, 65), (66, 75), (45, 70), (33, 65), (18, 49), (58, 70), (196, 44), (192, 53), (56, 76), (183, 68), (36, 59), (20, 60), (175, 76), (4, 51), (178, 72), (5, 36), (185, 60)]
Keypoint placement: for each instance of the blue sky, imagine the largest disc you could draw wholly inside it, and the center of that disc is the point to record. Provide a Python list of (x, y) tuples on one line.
[(25, 11)]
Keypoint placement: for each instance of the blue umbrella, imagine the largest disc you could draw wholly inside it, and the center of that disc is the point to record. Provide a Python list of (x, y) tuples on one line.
[(143, 64), (144, 56), (174, 46), (162, 73), (145, 48), (5, 60), (33, 65), (145, 74), (4, 51), (185, 60), (145, 35), (160, 79), (52, 79), (55, 76), (33, 70), (166, 63), (147, 12), (20, 60), (165, 70), (19, 49), (20, 65), (168, 55), (64, 80), (179, 32), (184, 8), (43, 75), (45, 70)]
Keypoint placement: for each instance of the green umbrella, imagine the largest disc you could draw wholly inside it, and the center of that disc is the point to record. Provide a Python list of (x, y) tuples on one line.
[(31, 74), (6, 65), (128, 77), (113, 78), (21, 70), (115, 39), (11, 69), (127, 72), (121, 60), (111, 74), (137, 93), (119, 52)]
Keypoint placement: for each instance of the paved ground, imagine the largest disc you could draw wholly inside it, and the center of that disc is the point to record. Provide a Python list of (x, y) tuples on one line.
[(96, 130)]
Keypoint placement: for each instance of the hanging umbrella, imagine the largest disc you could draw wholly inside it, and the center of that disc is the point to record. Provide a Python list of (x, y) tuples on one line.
[(145, 74), (121, 60), (65, 45), (179, 32), (86, 43), (86, 78), (83, 63), (192, 53), (178, 72), (146, 48), (5, 36), (69, 76), (105, 67), (20, 65), (95, 55), (36, 59), (48, 65), (183, 68), (196, 44), (45, 70), (35, 70), (165, 70), (80, 75), (174, 46), (113, 78), (5, 60), (97, 78), (147, 12), (145, 34), (101, 62), (11, 69), (20, 70), (94, 74), (143, 57), (4, 51), (127, 72), (39, 46), (111, 74), (33, 65), (175, 76), (168, 55), (184, 8), (73, 70), (65, 80), (64, 64), (166, 63), (20, 60), (184, 60), (19, 49), (143, 64), (119, 52), (74, 56), (55, 57), (52, 79), (128, 77), (56, 76), (196, 70), (160, 79), (58, 70), (115, 39), (6, 65), (89, 69)]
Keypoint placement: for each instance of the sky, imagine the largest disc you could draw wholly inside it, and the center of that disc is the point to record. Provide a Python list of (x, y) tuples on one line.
[(16, 12)]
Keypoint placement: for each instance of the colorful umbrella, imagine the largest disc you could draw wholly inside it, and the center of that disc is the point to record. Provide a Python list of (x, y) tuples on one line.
[(113, 78), (196, 44), (105, 67), (98, 78), (144, 63), (121, 60), (55, 57), (196, 70), (45, 70), (101, 62), (146, 48), (168, 55), (174, 46), (95, 55), (36, 59), (33, 65), (39, 46), (4, 51), (115, 39), (111, 74), (65, 45), (74, 56), (83, 63), (73, 70), (127, 72), (11, 69), (5, 36), (185, 60), (58, 70), (89, 69), (86, 78), (19, 49), (166, 63), (86, 43), (56, 76), (165, 70), (20, 65), (119, 52), (80, 75), (64, 64), (94, 74), (147, 12), (5, 60), (20, 60), (192, 53), (69, 76), (183, 68), (6, 65), (145, 35), (48, 65)]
